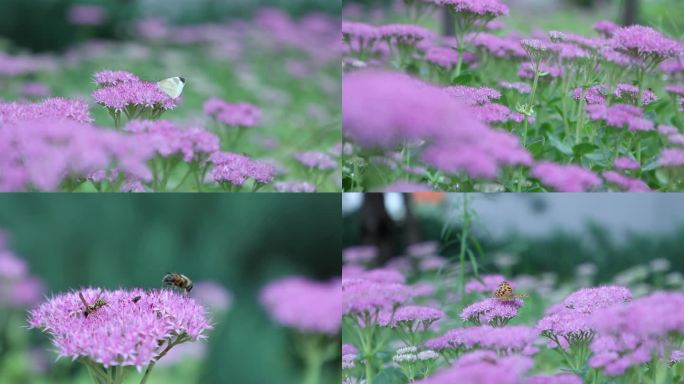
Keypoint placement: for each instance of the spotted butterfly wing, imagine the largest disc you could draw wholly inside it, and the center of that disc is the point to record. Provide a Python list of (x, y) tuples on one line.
[(505, 292), (173, 86)]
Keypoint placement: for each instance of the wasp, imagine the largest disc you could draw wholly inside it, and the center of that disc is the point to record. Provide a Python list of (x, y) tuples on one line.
[(179, 281), (91, 308)]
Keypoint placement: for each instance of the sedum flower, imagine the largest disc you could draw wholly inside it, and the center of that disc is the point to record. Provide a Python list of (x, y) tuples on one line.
[(123, 333), (239, 115), (232, 170), (565, 178), (625, 183), (483, 367), (360, 254), (289, 302), (491, 310)]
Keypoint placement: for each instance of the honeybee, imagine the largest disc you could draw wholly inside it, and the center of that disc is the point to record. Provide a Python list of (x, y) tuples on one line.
[(91, 308), (505, 292), (136, 299), (179, 281)]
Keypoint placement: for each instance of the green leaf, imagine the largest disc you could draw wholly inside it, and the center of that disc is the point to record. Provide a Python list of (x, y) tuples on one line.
[(582, 149), (559, 145), (390, 375)]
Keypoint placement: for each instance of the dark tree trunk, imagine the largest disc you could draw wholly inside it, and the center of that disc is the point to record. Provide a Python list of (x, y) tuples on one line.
[(448, 23), (377, 227), (411, 229), (631, 12)]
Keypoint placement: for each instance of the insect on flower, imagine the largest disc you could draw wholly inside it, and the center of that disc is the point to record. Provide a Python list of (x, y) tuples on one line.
[(505, 292), (91, 308), (136, 299), (177, 280)]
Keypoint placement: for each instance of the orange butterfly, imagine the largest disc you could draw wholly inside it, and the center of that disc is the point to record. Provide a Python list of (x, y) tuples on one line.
[(505, 292)]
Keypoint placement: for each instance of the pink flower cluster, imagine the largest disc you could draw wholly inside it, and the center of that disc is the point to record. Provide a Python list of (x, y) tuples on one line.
[(482, 8), (235, 169), (40, 153), (289, 302), (620, 116), (569, 320), (367, 294), (316, 160), (565, 178), (406, 110), (167, 139), (630, 93), (491, 310), (18, 289), (504, 340), (234, 115), (645, 43), (632, 333), (119, 90), (404, 35), (134, 333), (483, 367)]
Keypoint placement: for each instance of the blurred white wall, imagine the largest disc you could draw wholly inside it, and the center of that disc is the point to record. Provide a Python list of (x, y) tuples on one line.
[(541, 214)]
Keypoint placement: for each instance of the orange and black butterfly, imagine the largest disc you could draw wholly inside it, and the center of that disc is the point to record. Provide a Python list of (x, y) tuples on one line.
[(505, 292)]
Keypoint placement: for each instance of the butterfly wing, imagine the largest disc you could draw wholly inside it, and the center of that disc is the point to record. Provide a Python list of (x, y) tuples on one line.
[(173, 86)]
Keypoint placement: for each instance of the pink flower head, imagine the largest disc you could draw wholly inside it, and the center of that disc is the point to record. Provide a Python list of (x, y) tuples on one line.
[(675, 89), (621, 116), (415, 318), (41, 153), (500, 47), (289, 302), (139, 94), (565, 178), (407, 186), (605, 27), (645, 43), (630, 333), (234, 115), (134, 333), (55, 108), (483, 367), (11, 266), (234, 169), (473, 95), (671, 157), (624, 162), (404, 35), (445, 58), (491, 310), (212, 295), (167, 139), (407, 110), (108, 78), (673, 66), (482, 8), (626, 183), (592, 95), (630, 93), (505, 340), (360, 295), (316, 160)]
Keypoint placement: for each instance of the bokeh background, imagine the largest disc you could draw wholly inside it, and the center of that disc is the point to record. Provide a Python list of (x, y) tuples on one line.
[(526, 16), (616, 236), (240, 241)]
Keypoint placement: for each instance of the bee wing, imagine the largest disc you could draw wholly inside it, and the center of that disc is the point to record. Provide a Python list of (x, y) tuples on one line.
[(83, 300), (172, 86)]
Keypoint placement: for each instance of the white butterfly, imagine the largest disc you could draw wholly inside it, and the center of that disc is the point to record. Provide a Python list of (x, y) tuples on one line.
[(173, 86)]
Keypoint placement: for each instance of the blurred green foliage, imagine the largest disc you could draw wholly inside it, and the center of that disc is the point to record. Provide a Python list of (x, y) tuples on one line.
[(559, 252), (41, 25), (240, 240)]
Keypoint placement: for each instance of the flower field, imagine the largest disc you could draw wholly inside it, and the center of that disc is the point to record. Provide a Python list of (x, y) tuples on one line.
[(259, 110), (494, 109), (449, 311)]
